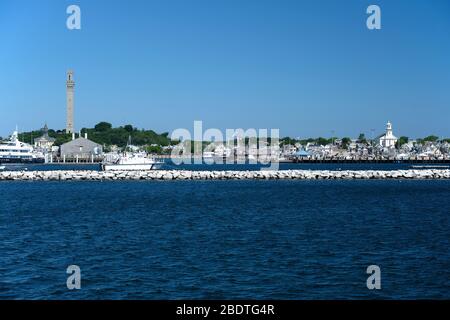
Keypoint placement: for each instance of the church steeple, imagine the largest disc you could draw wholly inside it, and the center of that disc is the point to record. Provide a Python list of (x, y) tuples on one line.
[(388, 128)]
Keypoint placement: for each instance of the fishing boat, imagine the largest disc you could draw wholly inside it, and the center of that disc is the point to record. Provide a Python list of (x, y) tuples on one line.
[(130, 162)]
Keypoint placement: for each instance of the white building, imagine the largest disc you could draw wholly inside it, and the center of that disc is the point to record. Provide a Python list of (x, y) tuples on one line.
[(388, 140), (44, 143)]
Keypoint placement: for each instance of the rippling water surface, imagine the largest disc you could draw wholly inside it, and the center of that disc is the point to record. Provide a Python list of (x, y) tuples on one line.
[(169, 165), (225, 239)]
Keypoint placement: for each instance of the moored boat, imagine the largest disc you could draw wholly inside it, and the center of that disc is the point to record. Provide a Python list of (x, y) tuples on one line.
[(130, 162), (15, 151)]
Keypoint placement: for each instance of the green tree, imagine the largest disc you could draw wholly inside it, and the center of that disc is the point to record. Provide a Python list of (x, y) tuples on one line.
[(154, 149), (323, 141), (431, 138), (362, 138), (345, 142), (103, 126), (401, 141), (128, 128)]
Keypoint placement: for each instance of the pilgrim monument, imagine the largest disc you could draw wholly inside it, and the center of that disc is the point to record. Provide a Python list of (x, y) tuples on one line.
[(70, 84)]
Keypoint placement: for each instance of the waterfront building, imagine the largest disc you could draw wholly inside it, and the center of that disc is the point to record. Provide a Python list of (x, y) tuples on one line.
[(353, 145), (302, 153), (70, 85), (45, 142), (81, 149), (289, 149), (337, 142), (388, 140)]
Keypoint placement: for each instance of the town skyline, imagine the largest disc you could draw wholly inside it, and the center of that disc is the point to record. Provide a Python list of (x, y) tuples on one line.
[(306, 77)]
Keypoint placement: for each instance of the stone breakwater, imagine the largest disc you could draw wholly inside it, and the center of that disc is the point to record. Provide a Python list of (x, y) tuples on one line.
[(220, 175)]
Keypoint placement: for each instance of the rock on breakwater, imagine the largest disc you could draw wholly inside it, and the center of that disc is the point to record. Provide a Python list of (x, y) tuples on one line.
[(77, 175)]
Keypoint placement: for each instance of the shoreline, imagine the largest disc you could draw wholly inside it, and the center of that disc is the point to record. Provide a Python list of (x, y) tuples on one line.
[(332, 160), (90, 175)]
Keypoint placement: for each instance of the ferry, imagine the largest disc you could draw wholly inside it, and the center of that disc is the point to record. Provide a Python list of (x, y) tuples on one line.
[(130, 162), (14, 151)]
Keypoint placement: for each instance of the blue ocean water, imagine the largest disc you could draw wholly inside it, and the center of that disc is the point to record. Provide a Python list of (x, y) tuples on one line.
[(169, 165), (225, 239)]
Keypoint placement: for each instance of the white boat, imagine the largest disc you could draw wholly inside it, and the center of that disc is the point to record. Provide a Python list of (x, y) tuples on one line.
[(208, 155), (14, 151), (2, 167), (130, 162)]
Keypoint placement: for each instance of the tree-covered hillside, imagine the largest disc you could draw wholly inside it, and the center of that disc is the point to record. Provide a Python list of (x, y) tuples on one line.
[(103, 133)]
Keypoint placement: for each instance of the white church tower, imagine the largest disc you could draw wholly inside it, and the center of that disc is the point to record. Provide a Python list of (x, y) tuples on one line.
[(388, 140), (70, 84)]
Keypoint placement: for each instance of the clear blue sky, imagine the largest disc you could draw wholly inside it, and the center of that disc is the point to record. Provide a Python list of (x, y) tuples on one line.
[(305, 67)]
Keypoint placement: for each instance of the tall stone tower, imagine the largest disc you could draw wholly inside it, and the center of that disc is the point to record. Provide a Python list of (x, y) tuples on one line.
[(70, 84)]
